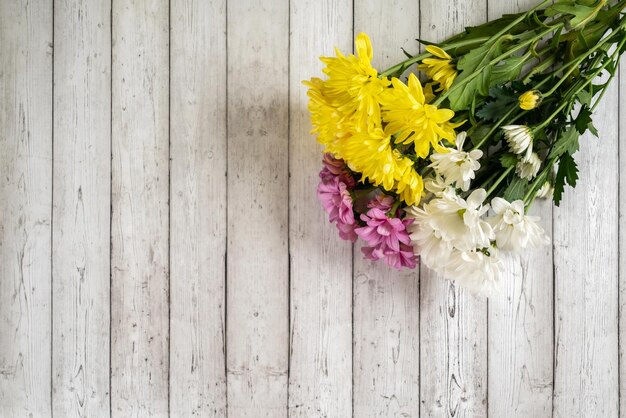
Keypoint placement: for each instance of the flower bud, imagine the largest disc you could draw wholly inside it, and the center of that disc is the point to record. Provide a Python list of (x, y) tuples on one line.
[(529, 166), (519, 138), (530, 99)]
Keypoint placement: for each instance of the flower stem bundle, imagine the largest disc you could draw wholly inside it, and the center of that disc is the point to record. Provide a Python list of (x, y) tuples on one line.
[(442, 165)]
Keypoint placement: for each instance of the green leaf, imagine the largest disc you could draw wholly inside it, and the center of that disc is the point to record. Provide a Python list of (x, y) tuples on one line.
[(507, 70), (580, 13), (516, 189), (508, 160), (566, 143), (478, 132), (567, 173), (476, 60), (584, 97), (583, 120), (502, 98)]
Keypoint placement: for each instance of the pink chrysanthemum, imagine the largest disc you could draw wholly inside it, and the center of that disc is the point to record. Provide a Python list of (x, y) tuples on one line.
[(387, 237), (334, 167), (337, 202)]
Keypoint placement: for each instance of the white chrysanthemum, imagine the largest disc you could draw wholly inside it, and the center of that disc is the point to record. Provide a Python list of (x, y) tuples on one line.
[(434, 187), (457, 167), (546, 191), (519, 138), (514, 230), (529, 166), (457, 221), (434, 251), (477, 270)]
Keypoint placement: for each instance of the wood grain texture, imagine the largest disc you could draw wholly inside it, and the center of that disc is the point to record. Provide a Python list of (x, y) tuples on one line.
[(258, 265), (25, 207), (82, 204), (198, 208), (140, 205), (320, 377), (453, 323), (521, 315), (386, 301), (586, 276), (621, 79)]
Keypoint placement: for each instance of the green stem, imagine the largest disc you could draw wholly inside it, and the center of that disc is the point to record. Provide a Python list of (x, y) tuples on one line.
[(497, 183), (495, 127), (494, 61), (419, 57)]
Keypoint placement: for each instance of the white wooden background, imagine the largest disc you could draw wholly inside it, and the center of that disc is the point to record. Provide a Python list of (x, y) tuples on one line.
[(162, 252)]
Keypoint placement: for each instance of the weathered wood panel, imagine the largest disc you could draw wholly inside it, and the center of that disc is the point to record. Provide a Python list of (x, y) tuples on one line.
[(621, 79), (386, 301), (140, 209), (198, 208), (521, 315), (453, 323), (257, 316), (320, 377), (82, 204), (25, 207), (586, 375)]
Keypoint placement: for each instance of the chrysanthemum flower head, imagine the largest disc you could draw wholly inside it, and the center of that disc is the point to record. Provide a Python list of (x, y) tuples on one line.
[(458, 167), (513, 228), (439, 68), (529, 100), (413, 120), (528, 167), (519, 138), (353, 84)]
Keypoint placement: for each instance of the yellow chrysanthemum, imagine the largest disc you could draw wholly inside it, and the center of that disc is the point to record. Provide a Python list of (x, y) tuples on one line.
[(530, 99), (410, 185), (413, 120), (370, 153), (328, 123), (353, 85), (439, 68)]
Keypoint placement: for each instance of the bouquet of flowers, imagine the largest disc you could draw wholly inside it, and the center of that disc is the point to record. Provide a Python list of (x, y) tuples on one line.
[(442, 167)]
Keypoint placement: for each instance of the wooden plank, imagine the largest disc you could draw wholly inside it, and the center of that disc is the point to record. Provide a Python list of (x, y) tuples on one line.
[(25, 207), (453, 323), (198, 208), (386, 301), (258, 266), (586, 277), (320, 377), (139, 258), (81, 217), (622, 238), (521, 343)]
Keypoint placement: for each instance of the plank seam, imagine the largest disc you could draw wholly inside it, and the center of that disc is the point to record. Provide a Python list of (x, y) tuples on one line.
[(288, 200), (169, 204), (111, 214), (352, 267), (225, 295), (52, 225), (619, 238)]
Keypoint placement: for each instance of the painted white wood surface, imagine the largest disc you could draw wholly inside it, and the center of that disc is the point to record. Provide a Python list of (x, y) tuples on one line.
[(521, 317), (25, 207), (140, 209), (257, 319), (453, 323), (198, 208), (82, 209), (621, 101), (320, 376), (176, 137), (586, 294), (386, 301)]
